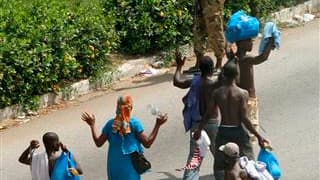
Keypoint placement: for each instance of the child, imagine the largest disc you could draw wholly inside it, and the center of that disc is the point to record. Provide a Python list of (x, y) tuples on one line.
[(42, 164)]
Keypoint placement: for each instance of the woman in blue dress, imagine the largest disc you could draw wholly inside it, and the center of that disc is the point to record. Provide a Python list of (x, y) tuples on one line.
[(125, 135)]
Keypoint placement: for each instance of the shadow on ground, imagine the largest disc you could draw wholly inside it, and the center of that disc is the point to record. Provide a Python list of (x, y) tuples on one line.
[(140, 82), (173, 177)]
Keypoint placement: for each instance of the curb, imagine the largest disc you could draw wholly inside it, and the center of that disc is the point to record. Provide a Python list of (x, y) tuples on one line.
[(134, 66)]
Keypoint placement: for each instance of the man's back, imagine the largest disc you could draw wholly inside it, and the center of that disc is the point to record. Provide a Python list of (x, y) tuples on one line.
[(231, 100), (207, 87)]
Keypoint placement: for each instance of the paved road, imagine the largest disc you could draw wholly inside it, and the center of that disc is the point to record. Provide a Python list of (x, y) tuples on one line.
[(288, 88)]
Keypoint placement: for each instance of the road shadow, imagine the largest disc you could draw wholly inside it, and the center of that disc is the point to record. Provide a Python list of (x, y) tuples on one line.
[(173, 177), (139, 82)]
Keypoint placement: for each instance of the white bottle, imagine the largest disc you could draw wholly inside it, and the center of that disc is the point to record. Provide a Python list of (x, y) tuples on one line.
[(153, 110)]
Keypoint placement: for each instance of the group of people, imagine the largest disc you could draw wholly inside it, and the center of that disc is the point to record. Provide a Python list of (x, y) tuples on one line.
[(223, 104), (124, 133)]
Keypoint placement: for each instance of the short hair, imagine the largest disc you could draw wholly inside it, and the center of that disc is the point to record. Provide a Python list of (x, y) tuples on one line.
[(206, 65), (48, 139), (230, 70)]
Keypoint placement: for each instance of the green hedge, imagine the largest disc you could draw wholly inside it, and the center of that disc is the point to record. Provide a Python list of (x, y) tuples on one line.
[(145, 26), (258, 8), (46, 42)]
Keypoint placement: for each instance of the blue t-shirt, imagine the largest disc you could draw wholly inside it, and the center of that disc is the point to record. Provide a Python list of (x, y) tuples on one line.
[(119, 164)]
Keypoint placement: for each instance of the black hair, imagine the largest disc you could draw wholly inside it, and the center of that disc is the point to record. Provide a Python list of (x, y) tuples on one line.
[(206, 66), (230, 70), (48, 139)]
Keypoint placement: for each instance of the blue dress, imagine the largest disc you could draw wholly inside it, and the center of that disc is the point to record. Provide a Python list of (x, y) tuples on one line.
[(119, 165)]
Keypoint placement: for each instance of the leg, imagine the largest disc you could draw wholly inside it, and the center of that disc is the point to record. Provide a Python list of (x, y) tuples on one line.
[(253, 114), (212, 129), (213, 15), (245, 145), (192, 174), (219, 156)]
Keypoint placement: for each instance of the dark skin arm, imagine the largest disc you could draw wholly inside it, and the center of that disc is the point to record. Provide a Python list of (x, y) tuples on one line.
[(179, 80), (262, 57), (147, 141), (26, 156), (204, 120), (98, 139), (247, 122)]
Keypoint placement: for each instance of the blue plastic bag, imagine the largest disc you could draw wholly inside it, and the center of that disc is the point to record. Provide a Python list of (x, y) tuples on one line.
[(272, 164), (61, 167), (241, 27)]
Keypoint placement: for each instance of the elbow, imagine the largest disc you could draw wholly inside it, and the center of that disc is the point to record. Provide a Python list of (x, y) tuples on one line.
[(98, 145), (175, 83), (21, 161), (80, 172), (147, 145)]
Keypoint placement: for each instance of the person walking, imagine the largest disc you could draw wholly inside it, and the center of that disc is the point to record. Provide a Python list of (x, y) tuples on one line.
[(246, 65), (196, 102), (232, 102)]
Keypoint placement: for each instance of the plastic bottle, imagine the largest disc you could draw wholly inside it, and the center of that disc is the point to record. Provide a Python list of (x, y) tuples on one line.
[(153, 110)]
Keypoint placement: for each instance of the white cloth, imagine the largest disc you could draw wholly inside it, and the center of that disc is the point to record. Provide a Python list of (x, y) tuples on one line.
[(204, 143), (256, 170), (40, 166)]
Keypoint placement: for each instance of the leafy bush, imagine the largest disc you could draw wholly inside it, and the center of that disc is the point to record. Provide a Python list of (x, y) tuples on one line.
[(152, 25), (257, 8), (46, 42)]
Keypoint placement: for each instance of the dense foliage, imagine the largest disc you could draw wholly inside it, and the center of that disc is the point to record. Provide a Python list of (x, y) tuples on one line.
[(44, 43), (151, 25)]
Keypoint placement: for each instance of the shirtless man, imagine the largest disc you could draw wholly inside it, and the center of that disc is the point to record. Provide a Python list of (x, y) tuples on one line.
[(201, 87), (246, 63), (232, 102), (52, 146)]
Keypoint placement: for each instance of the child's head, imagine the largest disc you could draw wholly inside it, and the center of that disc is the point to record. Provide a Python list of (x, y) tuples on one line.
[(231, 153), (51, 141), (245, 45)]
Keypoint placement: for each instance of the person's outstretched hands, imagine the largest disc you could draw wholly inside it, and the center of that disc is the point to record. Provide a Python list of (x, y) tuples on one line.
[(89, 119), (162, 118)]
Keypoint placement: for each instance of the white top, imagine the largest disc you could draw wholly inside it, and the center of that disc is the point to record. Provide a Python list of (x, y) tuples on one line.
[(39, 166)]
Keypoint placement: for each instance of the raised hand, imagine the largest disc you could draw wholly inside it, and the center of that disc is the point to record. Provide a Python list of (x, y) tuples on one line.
[(162, 118), (63, 147), (34, 144), (179, 61), (89, 119)]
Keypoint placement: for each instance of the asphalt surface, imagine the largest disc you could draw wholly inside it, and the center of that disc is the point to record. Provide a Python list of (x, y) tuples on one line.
[(287, 86)]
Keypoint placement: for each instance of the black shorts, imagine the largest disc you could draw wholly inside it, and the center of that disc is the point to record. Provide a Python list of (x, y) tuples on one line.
[(236, 135)]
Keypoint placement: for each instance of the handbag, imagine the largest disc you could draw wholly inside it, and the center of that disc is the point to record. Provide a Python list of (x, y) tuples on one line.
[(62, 166), (140, 163), (272, 164)]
